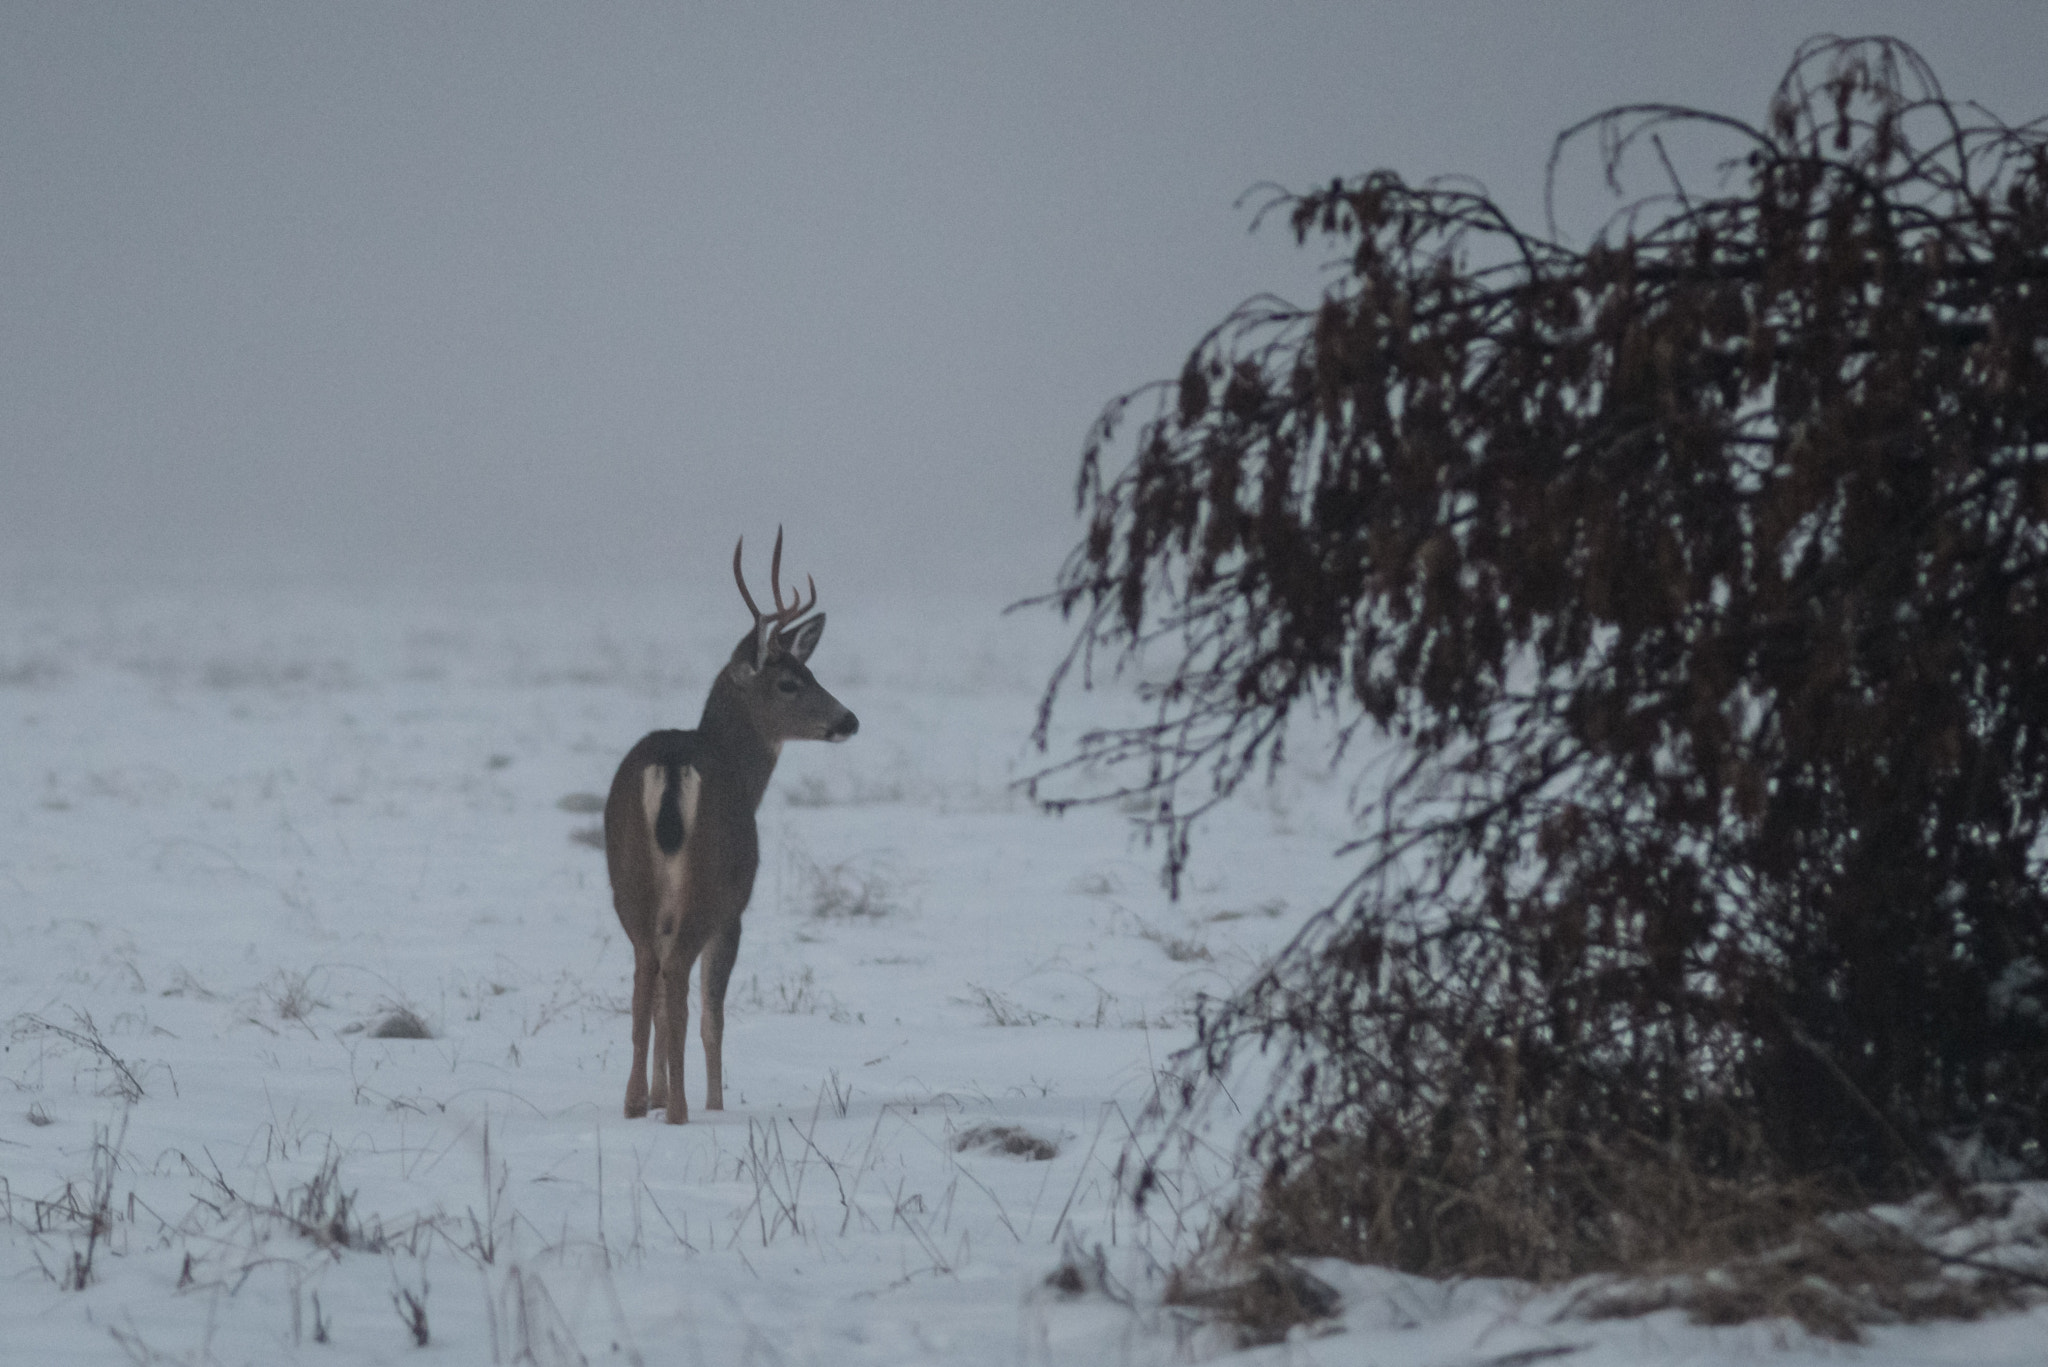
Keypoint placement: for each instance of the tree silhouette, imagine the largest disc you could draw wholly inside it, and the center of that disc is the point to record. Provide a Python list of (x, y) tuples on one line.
[(1701, 577)]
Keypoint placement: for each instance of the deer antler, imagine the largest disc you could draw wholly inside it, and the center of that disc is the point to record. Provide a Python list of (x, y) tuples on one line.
[(741, 579), (768, 624), (787, 615)]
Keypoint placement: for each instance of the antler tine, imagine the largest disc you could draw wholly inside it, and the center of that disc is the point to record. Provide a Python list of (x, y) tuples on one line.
[(787, 619), (786, 613), (741, 579), (799, 612)]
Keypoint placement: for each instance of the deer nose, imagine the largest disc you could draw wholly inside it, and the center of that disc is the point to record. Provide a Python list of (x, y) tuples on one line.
[(844, 727)]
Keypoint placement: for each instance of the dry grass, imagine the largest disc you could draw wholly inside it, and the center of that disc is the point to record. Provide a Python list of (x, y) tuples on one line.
[(1181, 949), (1954, 1255), (1665, 1236), (793, 992), (813, 791), (1001, 1010), (1474, 1208), (291, 995), (1262, 1303), (323, 1212), (83, 1035), (862, 887)]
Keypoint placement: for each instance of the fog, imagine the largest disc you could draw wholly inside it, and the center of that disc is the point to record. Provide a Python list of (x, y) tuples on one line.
[(417, 294)]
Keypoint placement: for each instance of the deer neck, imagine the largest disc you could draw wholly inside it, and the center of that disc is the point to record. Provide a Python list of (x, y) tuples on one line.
[(734, 752)]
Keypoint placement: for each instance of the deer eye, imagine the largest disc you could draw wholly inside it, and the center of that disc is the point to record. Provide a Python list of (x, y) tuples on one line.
[(786, 685)]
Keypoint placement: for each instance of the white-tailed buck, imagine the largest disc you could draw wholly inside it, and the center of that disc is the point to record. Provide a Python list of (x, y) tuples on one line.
[(680, 841)]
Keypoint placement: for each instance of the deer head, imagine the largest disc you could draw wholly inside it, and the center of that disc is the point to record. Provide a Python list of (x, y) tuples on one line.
[(767, 673)]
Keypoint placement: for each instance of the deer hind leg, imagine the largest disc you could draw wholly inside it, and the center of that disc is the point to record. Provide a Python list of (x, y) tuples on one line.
[(646, 976), (657, 1089), (675, 1009), (719, 956), (669, 799)]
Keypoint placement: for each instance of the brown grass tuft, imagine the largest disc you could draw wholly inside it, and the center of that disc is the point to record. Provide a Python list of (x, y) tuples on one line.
[(1837, 1274), (1263, 1303)]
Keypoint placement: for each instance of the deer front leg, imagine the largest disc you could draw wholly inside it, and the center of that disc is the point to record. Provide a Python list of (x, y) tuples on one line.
[(646, 974), (719, 956)]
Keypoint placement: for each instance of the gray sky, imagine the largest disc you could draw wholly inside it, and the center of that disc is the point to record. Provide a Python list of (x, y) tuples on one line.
[(581, 292)]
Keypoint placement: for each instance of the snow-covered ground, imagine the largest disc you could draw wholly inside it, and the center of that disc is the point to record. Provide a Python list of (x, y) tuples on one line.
[(238, 832)]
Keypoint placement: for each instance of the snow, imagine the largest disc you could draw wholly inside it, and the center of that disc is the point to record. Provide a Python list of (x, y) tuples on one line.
[(237, 831)]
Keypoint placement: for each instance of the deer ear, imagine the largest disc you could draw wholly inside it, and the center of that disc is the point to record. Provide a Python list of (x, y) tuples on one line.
[(804, 639)]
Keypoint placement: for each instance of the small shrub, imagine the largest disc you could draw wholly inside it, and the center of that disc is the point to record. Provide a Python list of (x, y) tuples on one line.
[(292, 996), (1182, 949), (323, 1212), (1085, 1273), (401, 1022), (856, 888), (1694, 577), (1013, 1140)]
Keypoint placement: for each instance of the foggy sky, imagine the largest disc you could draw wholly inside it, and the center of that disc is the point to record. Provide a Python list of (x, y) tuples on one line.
[(409, 292)]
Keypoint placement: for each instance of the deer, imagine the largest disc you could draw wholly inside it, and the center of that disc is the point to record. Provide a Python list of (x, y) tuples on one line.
[(680, 841)]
